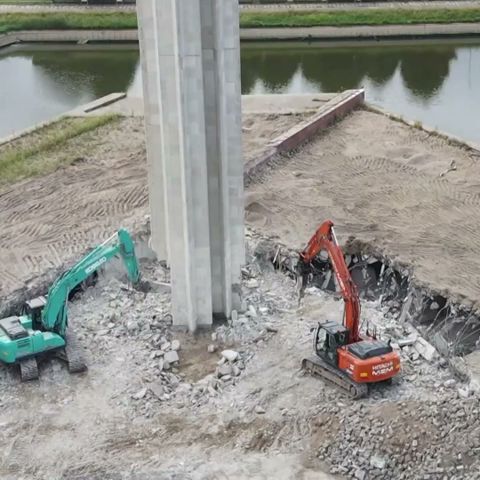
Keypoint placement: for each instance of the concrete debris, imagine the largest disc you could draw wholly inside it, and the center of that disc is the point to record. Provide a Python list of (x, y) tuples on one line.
[(461, 368), (140, 394), (157, 389), (234, 316), (426, 350), (464, 392), (415, 428), (223, 370), (441, 344), (378, 462), (161, 365), (252, 283), (405, 342), (361, 475), (171, 357), (230, 355), (449, 383)]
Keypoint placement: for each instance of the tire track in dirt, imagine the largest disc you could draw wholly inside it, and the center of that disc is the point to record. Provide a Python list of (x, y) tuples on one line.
[(49, 220)]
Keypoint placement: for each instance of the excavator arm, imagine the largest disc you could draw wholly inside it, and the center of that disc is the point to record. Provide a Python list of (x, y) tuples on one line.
[(54, 315), (324, 239)]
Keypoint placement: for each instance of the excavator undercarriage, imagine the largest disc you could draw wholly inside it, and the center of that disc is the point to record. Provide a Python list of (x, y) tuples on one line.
[(317, 366)]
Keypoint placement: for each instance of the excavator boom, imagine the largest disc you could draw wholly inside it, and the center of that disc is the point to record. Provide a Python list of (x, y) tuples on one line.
[(54, 314), (325, 239)]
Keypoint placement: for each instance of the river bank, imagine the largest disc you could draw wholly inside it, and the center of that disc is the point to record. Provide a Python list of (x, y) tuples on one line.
[(361, 32)]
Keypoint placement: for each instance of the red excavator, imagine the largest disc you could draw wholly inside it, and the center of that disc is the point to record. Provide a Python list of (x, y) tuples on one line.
[(343, 356)]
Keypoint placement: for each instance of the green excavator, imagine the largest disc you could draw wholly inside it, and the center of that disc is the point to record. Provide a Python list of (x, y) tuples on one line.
[(43, 325)]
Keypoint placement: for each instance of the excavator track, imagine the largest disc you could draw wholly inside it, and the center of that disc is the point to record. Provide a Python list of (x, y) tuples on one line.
[(29, 369), (74, 353), (335, 377)]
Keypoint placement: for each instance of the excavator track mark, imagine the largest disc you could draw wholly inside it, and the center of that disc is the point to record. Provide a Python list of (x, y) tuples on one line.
[(74, 353), (29, 369), (335, 377)]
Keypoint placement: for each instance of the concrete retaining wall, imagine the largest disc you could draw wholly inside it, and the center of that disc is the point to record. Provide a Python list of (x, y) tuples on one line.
[(328, 114), (73, 36), (309, 33), (362, 32)]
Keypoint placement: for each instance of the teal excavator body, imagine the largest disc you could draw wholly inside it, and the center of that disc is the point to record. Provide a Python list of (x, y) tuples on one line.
[(42, 326)]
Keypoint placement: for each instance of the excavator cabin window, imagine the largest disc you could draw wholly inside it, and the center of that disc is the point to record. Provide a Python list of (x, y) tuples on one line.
[(33, 308)]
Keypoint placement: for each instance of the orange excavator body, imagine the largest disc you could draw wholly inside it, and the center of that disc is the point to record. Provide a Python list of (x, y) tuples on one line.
[(370, 370), (346, 356)]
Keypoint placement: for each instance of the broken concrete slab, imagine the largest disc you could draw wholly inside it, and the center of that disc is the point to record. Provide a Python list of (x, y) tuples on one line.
[(230, 355), (405, 342), (223, 370), (171, 357), (425, 349), (140, 394)]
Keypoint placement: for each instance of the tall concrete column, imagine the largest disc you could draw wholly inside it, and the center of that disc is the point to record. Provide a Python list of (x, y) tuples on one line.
[(190, 53), (222, 94), (148, 34)]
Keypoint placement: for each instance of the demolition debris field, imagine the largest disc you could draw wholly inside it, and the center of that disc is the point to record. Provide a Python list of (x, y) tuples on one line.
[(232, 403)]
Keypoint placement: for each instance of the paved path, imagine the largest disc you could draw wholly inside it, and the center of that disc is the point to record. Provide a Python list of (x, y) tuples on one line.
[(270, 7)]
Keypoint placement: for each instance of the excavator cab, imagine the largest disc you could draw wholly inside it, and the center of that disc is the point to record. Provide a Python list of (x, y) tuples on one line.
[(33, 309), (328, 337)]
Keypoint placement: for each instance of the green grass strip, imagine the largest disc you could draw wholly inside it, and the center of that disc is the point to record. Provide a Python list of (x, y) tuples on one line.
[(355, 17), (27, 161), (128, 20), (10, 22)]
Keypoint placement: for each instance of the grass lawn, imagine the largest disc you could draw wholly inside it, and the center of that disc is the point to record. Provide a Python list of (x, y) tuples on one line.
[(355, 17), (127, 20), (66, 21), (44, 151)]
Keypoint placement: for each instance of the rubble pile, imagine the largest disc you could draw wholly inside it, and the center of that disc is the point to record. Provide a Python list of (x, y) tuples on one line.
[(426, 425), (430, 439)]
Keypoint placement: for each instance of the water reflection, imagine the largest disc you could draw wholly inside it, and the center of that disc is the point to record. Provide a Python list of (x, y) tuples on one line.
[(41, 82), (425, 72), (436, 83), (89, 71), (423, 69)]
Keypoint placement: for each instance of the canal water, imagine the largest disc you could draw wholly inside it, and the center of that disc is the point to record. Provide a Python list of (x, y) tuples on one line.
[(434, 82)]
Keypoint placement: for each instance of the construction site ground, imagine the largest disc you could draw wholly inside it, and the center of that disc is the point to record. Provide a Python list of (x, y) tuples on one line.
[(389, 185)]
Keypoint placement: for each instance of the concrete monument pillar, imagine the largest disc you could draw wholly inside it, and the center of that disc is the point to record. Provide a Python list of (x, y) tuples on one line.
[(191, 67)]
